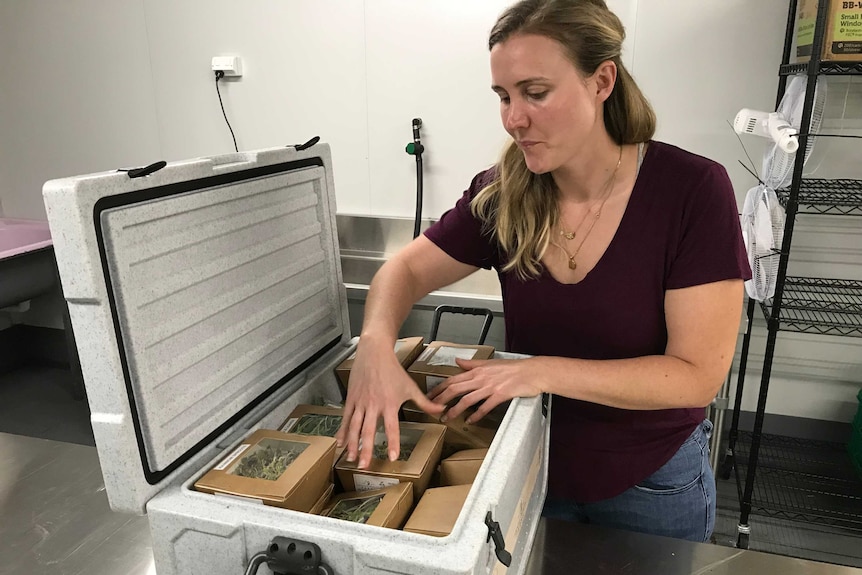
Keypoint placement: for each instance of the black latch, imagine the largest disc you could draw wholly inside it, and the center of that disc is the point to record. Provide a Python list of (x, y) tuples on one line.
[(145, 171), (306, 145), (499, 545), (285, 556), (546, 398)]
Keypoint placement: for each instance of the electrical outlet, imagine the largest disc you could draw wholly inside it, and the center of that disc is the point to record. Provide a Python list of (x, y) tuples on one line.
[(230, 65)]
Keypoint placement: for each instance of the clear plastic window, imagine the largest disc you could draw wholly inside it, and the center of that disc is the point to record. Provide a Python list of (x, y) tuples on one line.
[(317, 424), (358, 509), (268, 459), (409, 439)]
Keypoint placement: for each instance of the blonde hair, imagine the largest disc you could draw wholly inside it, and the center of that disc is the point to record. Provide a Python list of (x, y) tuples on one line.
[(519, 207)]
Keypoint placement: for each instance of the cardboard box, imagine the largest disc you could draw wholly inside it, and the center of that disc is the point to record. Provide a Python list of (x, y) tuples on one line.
[(315, 420), (406, 350), (438, 510), (461, 435), (280, 469), (387, 507), (843, 41), (461, 468), (323, 501), (414, 465), (437, 362)]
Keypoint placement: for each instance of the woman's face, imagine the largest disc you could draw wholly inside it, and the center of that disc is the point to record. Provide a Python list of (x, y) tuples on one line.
[(546, 104)]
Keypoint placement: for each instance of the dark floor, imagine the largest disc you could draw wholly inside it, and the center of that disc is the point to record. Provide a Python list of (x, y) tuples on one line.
[(39, 402)]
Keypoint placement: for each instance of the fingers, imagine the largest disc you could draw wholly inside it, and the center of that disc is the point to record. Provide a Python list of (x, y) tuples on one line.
[(341, 435), (355, 425), (426, 405), (454, 387), (467, 401), (369, 428), (442, 386), (393, 434), (490, 403), (469, 364)]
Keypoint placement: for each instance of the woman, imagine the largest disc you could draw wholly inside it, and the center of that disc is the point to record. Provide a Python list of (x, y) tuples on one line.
[(621, 266)]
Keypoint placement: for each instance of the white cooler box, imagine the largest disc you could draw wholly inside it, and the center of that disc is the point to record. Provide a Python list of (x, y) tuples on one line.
[(207, 301)]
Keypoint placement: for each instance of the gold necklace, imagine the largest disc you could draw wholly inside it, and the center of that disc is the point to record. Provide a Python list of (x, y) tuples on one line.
[(571, 235), (571, 257)]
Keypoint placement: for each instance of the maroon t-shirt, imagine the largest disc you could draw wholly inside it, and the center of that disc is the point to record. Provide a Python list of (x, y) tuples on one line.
[(680, 229)]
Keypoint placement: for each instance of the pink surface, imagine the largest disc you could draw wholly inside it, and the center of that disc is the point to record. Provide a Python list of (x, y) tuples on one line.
[(22, 236)]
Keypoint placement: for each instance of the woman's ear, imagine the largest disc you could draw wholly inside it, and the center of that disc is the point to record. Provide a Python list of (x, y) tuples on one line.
[(605, 77)]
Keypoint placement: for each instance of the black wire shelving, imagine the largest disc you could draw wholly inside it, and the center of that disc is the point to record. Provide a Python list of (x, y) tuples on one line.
[(819, 305), (841, 197), (829, 68), (804, 480)]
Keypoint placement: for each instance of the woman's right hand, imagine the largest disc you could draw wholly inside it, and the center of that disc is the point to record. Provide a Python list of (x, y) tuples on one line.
[(377, 388)]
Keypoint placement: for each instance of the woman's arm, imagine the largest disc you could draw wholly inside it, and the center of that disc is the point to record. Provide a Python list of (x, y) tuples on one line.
[(702, 323), (378, 384)]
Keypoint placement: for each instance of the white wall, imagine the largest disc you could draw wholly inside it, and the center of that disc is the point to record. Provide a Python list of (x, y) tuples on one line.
[(95, 85), (92, 85), (76, 94)]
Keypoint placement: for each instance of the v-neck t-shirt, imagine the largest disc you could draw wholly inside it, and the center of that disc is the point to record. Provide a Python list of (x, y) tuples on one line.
[(680, 229)]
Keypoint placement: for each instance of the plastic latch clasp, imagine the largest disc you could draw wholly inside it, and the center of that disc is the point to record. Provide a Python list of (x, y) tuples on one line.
[(144, 171), (496, 534)]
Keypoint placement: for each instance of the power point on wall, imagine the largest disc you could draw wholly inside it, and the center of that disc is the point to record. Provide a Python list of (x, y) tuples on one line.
[(230, 65)]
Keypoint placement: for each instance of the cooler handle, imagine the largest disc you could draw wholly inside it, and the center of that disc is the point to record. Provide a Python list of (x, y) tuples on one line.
[(285, 556), (441, 309)]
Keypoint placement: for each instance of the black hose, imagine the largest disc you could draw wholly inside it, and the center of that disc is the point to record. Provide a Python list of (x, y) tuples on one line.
[(416, 149), (417, 223)]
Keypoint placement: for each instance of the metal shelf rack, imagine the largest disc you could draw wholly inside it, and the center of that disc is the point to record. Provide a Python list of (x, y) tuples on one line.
[(825, 69), (804, 480), (819, 305), (826, 197), (814, 492)]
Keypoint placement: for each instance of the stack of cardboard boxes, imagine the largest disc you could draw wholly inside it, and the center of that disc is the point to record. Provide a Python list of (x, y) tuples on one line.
[(299, 467)]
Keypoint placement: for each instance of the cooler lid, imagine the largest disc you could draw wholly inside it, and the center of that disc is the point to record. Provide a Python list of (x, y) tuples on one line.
[(218, 280)]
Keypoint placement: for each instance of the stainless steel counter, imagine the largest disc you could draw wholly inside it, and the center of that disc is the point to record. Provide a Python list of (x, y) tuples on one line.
[(562, 547), (54, 518)]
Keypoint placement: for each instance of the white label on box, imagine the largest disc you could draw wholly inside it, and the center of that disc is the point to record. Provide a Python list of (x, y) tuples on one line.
[(431, 382), (426, 354), (230, 458), (289, 425), (370, 483), (446, 355)]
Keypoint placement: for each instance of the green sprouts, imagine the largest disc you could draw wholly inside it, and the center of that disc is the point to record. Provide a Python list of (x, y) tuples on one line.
[(317, 424), (269, 460), (358, 510), (409, 439)]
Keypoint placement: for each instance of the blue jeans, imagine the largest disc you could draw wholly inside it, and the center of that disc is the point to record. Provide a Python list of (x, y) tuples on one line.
[(678, 500)]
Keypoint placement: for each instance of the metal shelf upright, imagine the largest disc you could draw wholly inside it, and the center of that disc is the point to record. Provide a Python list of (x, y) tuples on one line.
[(793, 485)]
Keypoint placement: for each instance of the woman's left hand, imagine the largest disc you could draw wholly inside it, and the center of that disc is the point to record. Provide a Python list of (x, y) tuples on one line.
[(492, 380)]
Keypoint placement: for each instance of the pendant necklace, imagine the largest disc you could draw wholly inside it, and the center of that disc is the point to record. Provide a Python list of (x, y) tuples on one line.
[(571, 235)]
